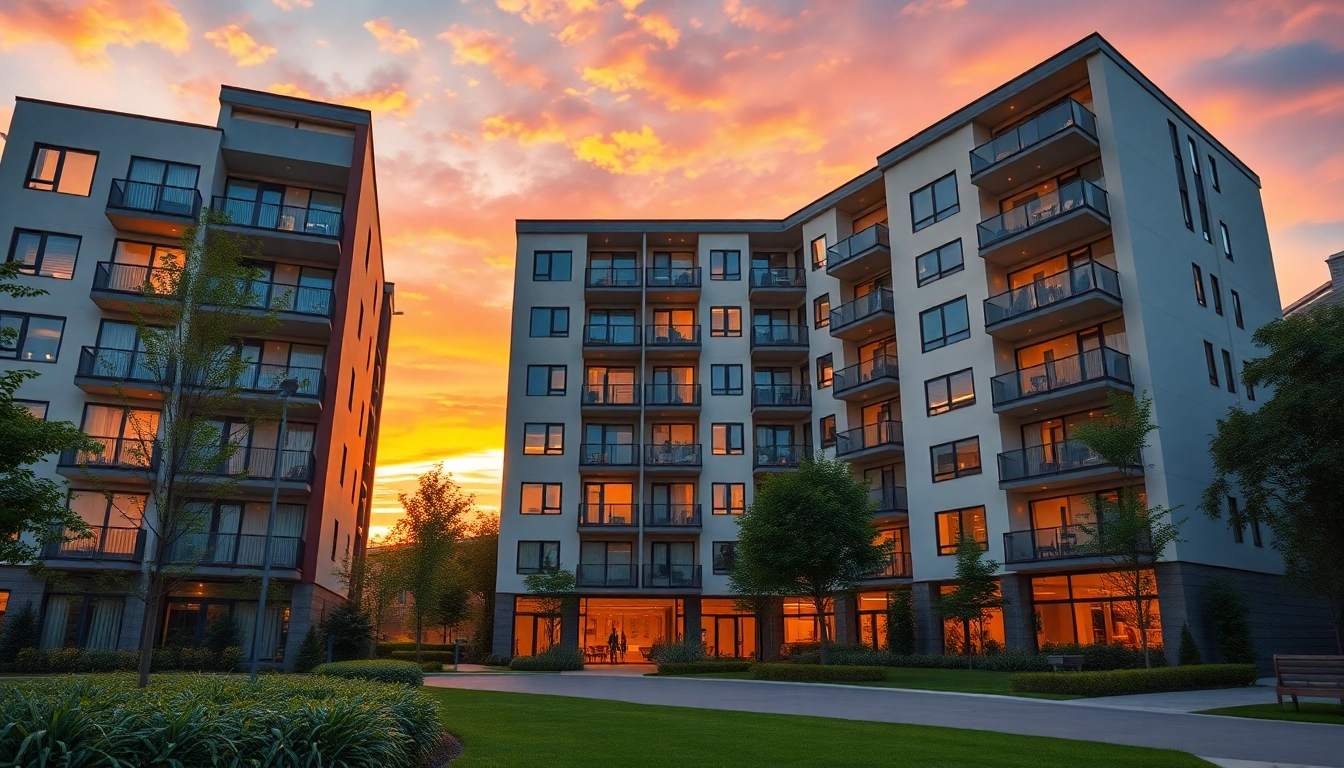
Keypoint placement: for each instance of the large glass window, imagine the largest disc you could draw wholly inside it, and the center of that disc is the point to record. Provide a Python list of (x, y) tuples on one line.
[(726, 439), (722, 552), (541, 499), (821, 311), (934, 202), (801, 624), (945, 393), (30, 338), (1096, 608), (725, 321), (725, 379), (955, 524), (90, 622), (819, 253), (545, 380), (729, 498), (725, 265), (535, 629), (57, 169), (544, 439), (538, 556), (945, 324), (44, 254), (825, 371), (938, 263), (551, 266), (956, 459), (549, 322)]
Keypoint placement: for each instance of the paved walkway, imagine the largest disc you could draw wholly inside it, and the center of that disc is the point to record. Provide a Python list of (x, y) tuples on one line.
[(1266, 741)]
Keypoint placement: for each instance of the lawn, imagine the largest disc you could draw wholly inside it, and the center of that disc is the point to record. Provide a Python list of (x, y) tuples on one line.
[(962, 680), (508, 729), (1312, 712)]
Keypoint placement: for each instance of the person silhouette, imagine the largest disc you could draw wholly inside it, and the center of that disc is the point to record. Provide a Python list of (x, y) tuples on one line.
[(624, 646), (613, 644)]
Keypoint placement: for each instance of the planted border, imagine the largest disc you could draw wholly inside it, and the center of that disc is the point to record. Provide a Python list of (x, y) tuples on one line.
[(702, 667), (377, 670), (1127, 681), (816, 673)]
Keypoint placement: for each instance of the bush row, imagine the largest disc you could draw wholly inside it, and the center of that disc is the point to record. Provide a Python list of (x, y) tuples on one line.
[(702, 667), (171, 659), (387, 648), (378, 670), (1096, 658), (193, 720), (442, 656), (559, 658), (817, 673), (1126, 681)]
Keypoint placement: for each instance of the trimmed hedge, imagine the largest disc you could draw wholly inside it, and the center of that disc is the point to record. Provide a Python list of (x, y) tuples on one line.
[(815, 673), (378, 670), (1011, 660), (1126, 681), (445, 657), (558, 658), (431, 666), (702, 667), (68, 660), (387, 648), (677, 653)]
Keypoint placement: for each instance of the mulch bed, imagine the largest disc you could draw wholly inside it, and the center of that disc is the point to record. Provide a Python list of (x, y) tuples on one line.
[(447, 750)]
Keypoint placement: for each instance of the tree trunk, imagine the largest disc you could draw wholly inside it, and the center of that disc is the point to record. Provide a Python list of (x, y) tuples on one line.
[(147, 625), (820, 603), (419, 619), (1141, 616)]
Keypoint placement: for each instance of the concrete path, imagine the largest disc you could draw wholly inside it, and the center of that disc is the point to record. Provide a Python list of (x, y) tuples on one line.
[(1263, 741)]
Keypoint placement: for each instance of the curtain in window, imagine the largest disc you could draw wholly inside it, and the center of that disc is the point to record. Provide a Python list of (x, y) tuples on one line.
[(181, 175), (104, 624), (227, 542), (54, 623), (246, 614), (116, 342), (288, 530), (305, 364), (298, 451)]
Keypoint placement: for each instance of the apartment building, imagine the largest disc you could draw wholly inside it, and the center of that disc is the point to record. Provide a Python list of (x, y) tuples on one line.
[(1329, 292), (91, 202), (944, 321)]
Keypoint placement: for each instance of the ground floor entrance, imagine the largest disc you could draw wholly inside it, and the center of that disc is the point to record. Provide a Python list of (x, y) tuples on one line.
[(726, 631), (620, 630)]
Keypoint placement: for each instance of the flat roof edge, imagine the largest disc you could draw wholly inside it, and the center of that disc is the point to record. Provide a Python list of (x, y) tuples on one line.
[(278, 102), (116, 113)]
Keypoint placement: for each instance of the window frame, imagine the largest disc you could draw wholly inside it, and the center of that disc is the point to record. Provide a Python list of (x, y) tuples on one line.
[(727, 389), (1199, 285), (550, 372), (1227, 240), (826, 429), (22, 338), (559, 498), (723, 273), (546, 429), (818, 259), (1250, 389), (944, 340), (60, 169), (825, 370), (1211, 360), (1227, 371), (1236, 308), (938, 214), (550, 267), (728, 442), (942, 271), (947, 380), (541, 552), (945, 550), (532, 322), (724, 313), (1181, 184), (821, 311), (1213, 175), (46, 407), (714, 557), (43, 236), (714, 507), (1217, 290), (957, 472)]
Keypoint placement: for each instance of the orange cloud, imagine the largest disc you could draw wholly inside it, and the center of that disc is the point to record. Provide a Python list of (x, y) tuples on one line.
[(391, 99), (755, 17), (390, 39), (658, 26), (89, 29), (536, 11), (631, 71), (629, 153), (244, 48), (485, 48), (499, 127), (925, 7), (577, 32), (289, 5)]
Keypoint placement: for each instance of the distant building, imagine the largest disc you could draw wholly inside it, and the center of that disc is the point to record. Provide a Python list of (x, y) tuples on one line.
[(1332, 292)]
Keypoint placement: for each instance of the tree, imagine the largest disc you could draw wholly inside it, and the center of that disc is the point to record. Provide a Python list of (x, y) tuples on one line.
[(373, 582), (553, 588), (976, 594), (478, 558), (1189, 651), (1225, 605), (1125, 531), (808, 533), (20, 630), (454, 604), (424, 538), (33, 510), (349, 630), (901, 622), (310, 651), (1284, 462)]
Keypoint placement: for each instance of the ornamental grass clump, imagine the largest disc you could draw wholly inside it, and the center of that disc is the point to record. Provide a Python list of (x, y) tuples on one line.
[(198, 720)]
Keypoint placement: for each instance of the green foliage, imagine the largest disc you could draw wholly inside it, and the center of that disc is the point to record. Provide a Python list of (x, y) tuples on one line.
[(687, 651), (557, 658), (379, 670), (387, 648), (350, 629), (311, 651), (20, 630), (806, 673), (220, 633), (1188, 654), (1011, 660), (1101, 657), (443, 657), (188, 659), (189, 720), (1128, 681), (478, 561), (553, 587), (431, 666), (67, 660), (1226, 608), (975, 595), (901, 622), (1284, 461), (702, 667), (454, 604)]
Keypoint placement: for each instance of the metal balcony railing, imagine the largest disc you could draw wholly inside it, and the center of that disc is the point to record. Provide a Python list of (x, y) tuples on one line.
[(1054, 375), (1074, 196), (154, 198), (684, 335), (672, 455), (109, 542), (876, 303), (672, 277), (1047, 460), (672, 515), (1049, 122), (132, 278), (607, 515), (777, 277), (768, 456), (611, 335), (319, 222), (265, 377), (236, 550), (255, 462), (897, 567), (610, 394), (606, 575), (609, 455), (612, 277), (118, 453), (868, 436), (781, 395), (778, 336), (858, 244), (889, 499), (671, 394), (880, 367), (671, 576), (1045, 544), (1078, 280)]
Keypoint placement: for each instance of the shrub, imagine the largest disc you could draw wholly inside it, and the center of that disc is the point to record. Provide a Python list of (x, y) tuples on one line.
[(385, 649), (379, 670), (702, 667), (222, 632), (107, 661), (491, 660), (1227, 609), (1101, 657), (1126, 681), (901, 622), (1188, 655), (558, 658), (445, 657), (196, 721), (677, 653), (20, 630), (310, 651), (809, 651), (817, 673), (350, 630), (431, 666)]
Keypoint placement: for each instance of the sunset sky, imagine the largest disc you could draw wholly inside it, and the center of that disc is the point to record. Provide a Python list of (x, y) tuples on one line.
[(490, 110)]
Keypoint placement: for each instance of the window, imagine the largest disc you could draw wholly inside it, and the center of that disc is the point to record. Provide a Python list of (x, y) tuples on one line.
[(1227, 372), (955, 390), (1213, 365), (938, 263), (723, 556), (57, 169), (1238, 531), (828, 431), (350, 400), (359, 329), (44, 254), (956, 459), (825, 371), (1255, 533), (545, 380), (538, 556), (540, 499), (1236, 309), (37, 408), (945, 324), (725, 265), (335, 534), (819, 253), (31, 338), (1199, 190), (1250, 390), (1217, 294), (1227, 241), (955, 524), (934, 202), (821, 311), (549, 322), (725, 321), (1199, 285), (543, 439), (726, 439), (551, 266), (729, 498), (1213, 175), (725, 379), (345, 451), (1180, 177)]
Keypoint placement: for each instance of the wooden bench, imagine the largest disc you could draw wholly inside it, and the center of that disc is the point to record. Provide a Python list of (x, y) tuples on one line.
[(1315, 676), (1066, 662)]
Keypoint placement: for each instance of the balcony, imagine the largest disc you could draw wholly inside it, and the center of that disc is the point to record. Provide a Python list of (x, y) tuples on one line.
[(671, 341), (152, 209), (667, 398), (775, 458), (873, 379), (1046, 544), (606, 575), (111, 542), (1066, 382), (304, 234), (671, 576), (678, 516), (125, 459), (1081, 293), (890, 500), (897, 567), (1062, 136), (863, 255), (1073, 213), (611, 342), (612, 284), (882, 440), (1055, 465), (776, 286), (303, 311), (215, 550), (672, 284), (257, 466), (121, 287), (260, 382), (778, 343), (616, 457), (609, 398), (781, 400), (607, 516), (672, 457), (105, 371), (860, 319)]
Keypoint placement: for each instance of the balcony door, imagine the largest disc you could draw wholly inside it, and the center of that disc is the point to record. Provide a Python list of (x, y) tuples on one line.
[(612, 269), (774, 386), (612, 326), (121, 353), (609, 443), (673, 435), (672, 269), (882, 478), (775, 262), (606, 563), (673, 385), (673, 562), (126, 434), (158, 185), (609, 503), (610, 386), (882, 283), (673, 503), (673, 325)]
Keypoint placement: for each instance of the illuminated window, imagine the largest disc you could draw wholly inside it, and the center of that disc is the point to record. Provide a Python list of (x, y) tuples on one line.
[(828, 438), (955, 524), (729, 498), (725, 321), (544, 439), (540, 499), (44, 254), (825, 371), (821, 311), (57, 169), (30, 338), (945, 393), (1096, 609), (819, 253), (1199, 285), (726, 439), (955, 459)]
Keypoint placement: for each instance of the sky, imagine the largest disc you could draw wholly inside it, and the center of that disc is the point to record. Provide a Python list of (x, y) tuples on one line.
[(487, 111)]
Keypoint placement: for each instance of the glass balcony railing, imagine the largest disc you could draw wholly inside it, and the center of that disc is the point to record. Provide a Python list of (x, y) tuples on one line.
[(671, 394), (1077, 280), (858, 244), (880, 367), (768, 456), (862, 308), (320, 222), (778, 335), (132, 278), (117, 364), (868, 436), (236, 550), (671, 576), (606, 575), (778, 277), (610, 394), (1054, 375), (1074, 196), (672, 515), (612, 277), (672, 277), (609, 455), (889, 499), (897, 567), (117, 453), (609, 515), (1046, 544), (672, 455), (108, 542), (1047, 460), (154, 198), (260, 463), (781, 395), (299, 299), (672, 335), (611, 335), (265, 377), (1039, 128)]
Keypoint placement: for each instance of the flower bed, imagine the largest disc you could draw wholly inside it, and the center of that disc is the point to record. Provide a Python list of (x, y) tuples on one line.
[(1127, 681), (378, 670)]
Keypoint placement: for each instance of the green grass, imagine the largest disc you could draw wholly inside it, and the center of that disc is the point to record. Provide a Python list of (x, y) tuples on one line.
[(508, 729), (961, 680), (1312, 712)]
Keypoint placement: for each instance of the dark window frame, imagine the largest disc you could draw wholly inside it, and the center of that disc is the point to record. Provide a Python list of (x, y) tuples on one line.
[(537, 274), (1200, 196), (946, 549), (60, 168), (1211, 360), (560, 498), (1217, 290), (554, 313), (942, 271), (43, 235), (726, 332), (825, 370), (715, 560), (541, 555), (46, 406), (731, 447), (1236, 308), (1213, 175), (957, 472), (938, 214), (727, 390), (821, 311), (947, 379), (22, 337), (1199, 285), (546, 428), (721, 271), (945, 340), (828, 436), (730, 509), (1181, 184), (818, 260), (1227, 372), (1227, 240), (550, 371)]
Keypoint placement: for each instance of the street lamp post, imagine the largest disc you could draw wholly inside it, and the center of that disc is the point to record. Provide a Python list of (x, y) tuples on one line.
[(287, 388)]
